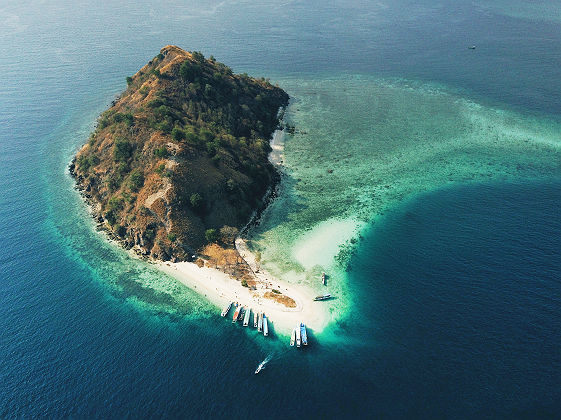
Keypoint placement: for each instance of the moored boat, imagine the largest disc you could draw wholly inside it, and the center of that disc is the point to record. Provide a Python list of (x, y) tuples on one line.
[(236, 314), (265, 326), (304, 334), (293, 338), (226, 310), (323, 279), (298, 338), (255, 316), (323, 297), (246, 317), (242, 314), (260, 322)]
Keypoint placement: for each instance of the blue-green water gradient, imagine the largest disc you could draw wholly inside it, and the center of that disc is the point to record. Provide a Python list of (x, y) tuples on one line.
[(450, 156)]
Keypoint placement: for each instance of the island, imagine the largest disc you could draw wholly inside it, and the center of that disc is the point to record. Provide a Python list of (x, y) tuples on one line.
[(177, 167)]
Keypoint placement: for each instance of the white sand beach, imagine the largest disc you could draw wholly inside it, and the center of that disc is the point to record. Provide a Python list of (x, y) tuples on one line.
[(220, 288)]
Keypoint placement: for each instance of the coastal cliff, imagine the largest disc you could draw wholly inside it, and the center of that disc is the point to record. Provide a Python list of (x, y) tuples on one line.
[(180, 159)]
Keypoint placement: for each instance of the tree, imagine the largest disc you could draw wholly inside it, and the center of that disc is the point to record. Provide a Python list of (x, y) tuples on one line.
[(198, 56), (122, 150), (129, 80), (228, 234), (196, 201), (178, 134), (136, 180), (189, 71), (211, 235)]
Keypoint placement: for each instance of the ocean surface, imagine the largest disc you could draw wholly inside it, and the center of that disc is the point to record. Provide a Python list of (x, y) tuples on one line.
[(424, 177)]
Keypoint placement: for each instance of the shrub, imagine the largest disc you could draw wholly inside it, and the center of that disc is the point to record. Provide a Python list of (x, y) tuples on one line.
[(172, 237), (86, 162), (161, 152), (155, 103), (160, 169), (129, 80), (211, 235), (121, 230), (244, 283), (115, 204), (110, 217)]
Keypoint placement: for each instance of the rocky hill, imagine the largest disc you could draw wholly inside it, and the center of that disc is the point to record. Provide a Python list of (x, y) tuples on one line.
[(180, 159)]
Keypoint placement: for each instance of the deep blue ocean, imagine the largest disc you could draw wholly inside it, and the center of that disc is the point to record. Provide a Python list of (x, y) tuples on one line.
[(455, 290)]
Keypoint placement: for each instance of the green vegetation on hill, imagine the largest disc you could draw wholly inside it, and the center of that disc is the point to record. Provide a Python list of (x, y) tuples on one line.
[(181, 154)]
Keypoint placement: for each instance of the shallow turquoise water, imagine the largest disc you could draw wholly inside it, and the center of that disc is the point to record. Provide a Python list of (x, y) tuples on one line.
[(446, 159)]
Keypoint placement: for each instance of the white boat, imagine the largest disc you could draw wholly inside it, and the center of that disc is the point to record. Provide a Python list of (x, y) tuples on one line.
[(226, 310), (265, 326), (246, 317), (260, 322), (236, 314), (255, 316), (298, 339), (262, 364), (303, 334), (293, 337), (323, 278)]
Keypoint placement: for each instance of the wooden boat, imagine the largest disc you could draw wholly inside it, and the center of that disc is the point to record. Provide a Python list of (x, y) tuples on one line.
[(246, 317), (226, 310), (303, 334), (236, 314)]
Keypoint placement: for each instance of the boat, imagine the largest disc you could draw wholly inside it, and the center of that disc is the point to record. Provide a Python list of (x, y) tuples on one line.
[(303, 334), (260, 322), (226, 310), (242, 314), (323, 278), (472, 47), (246, 317), (262, 364), (265, 326), (255, 316), (323, 297), (293, 338), (236, 314), (298, 339)]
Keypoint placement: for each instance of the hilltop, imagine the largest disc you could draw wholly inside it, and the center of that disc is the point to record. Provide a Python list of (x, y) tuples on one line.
[(180, 159)]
